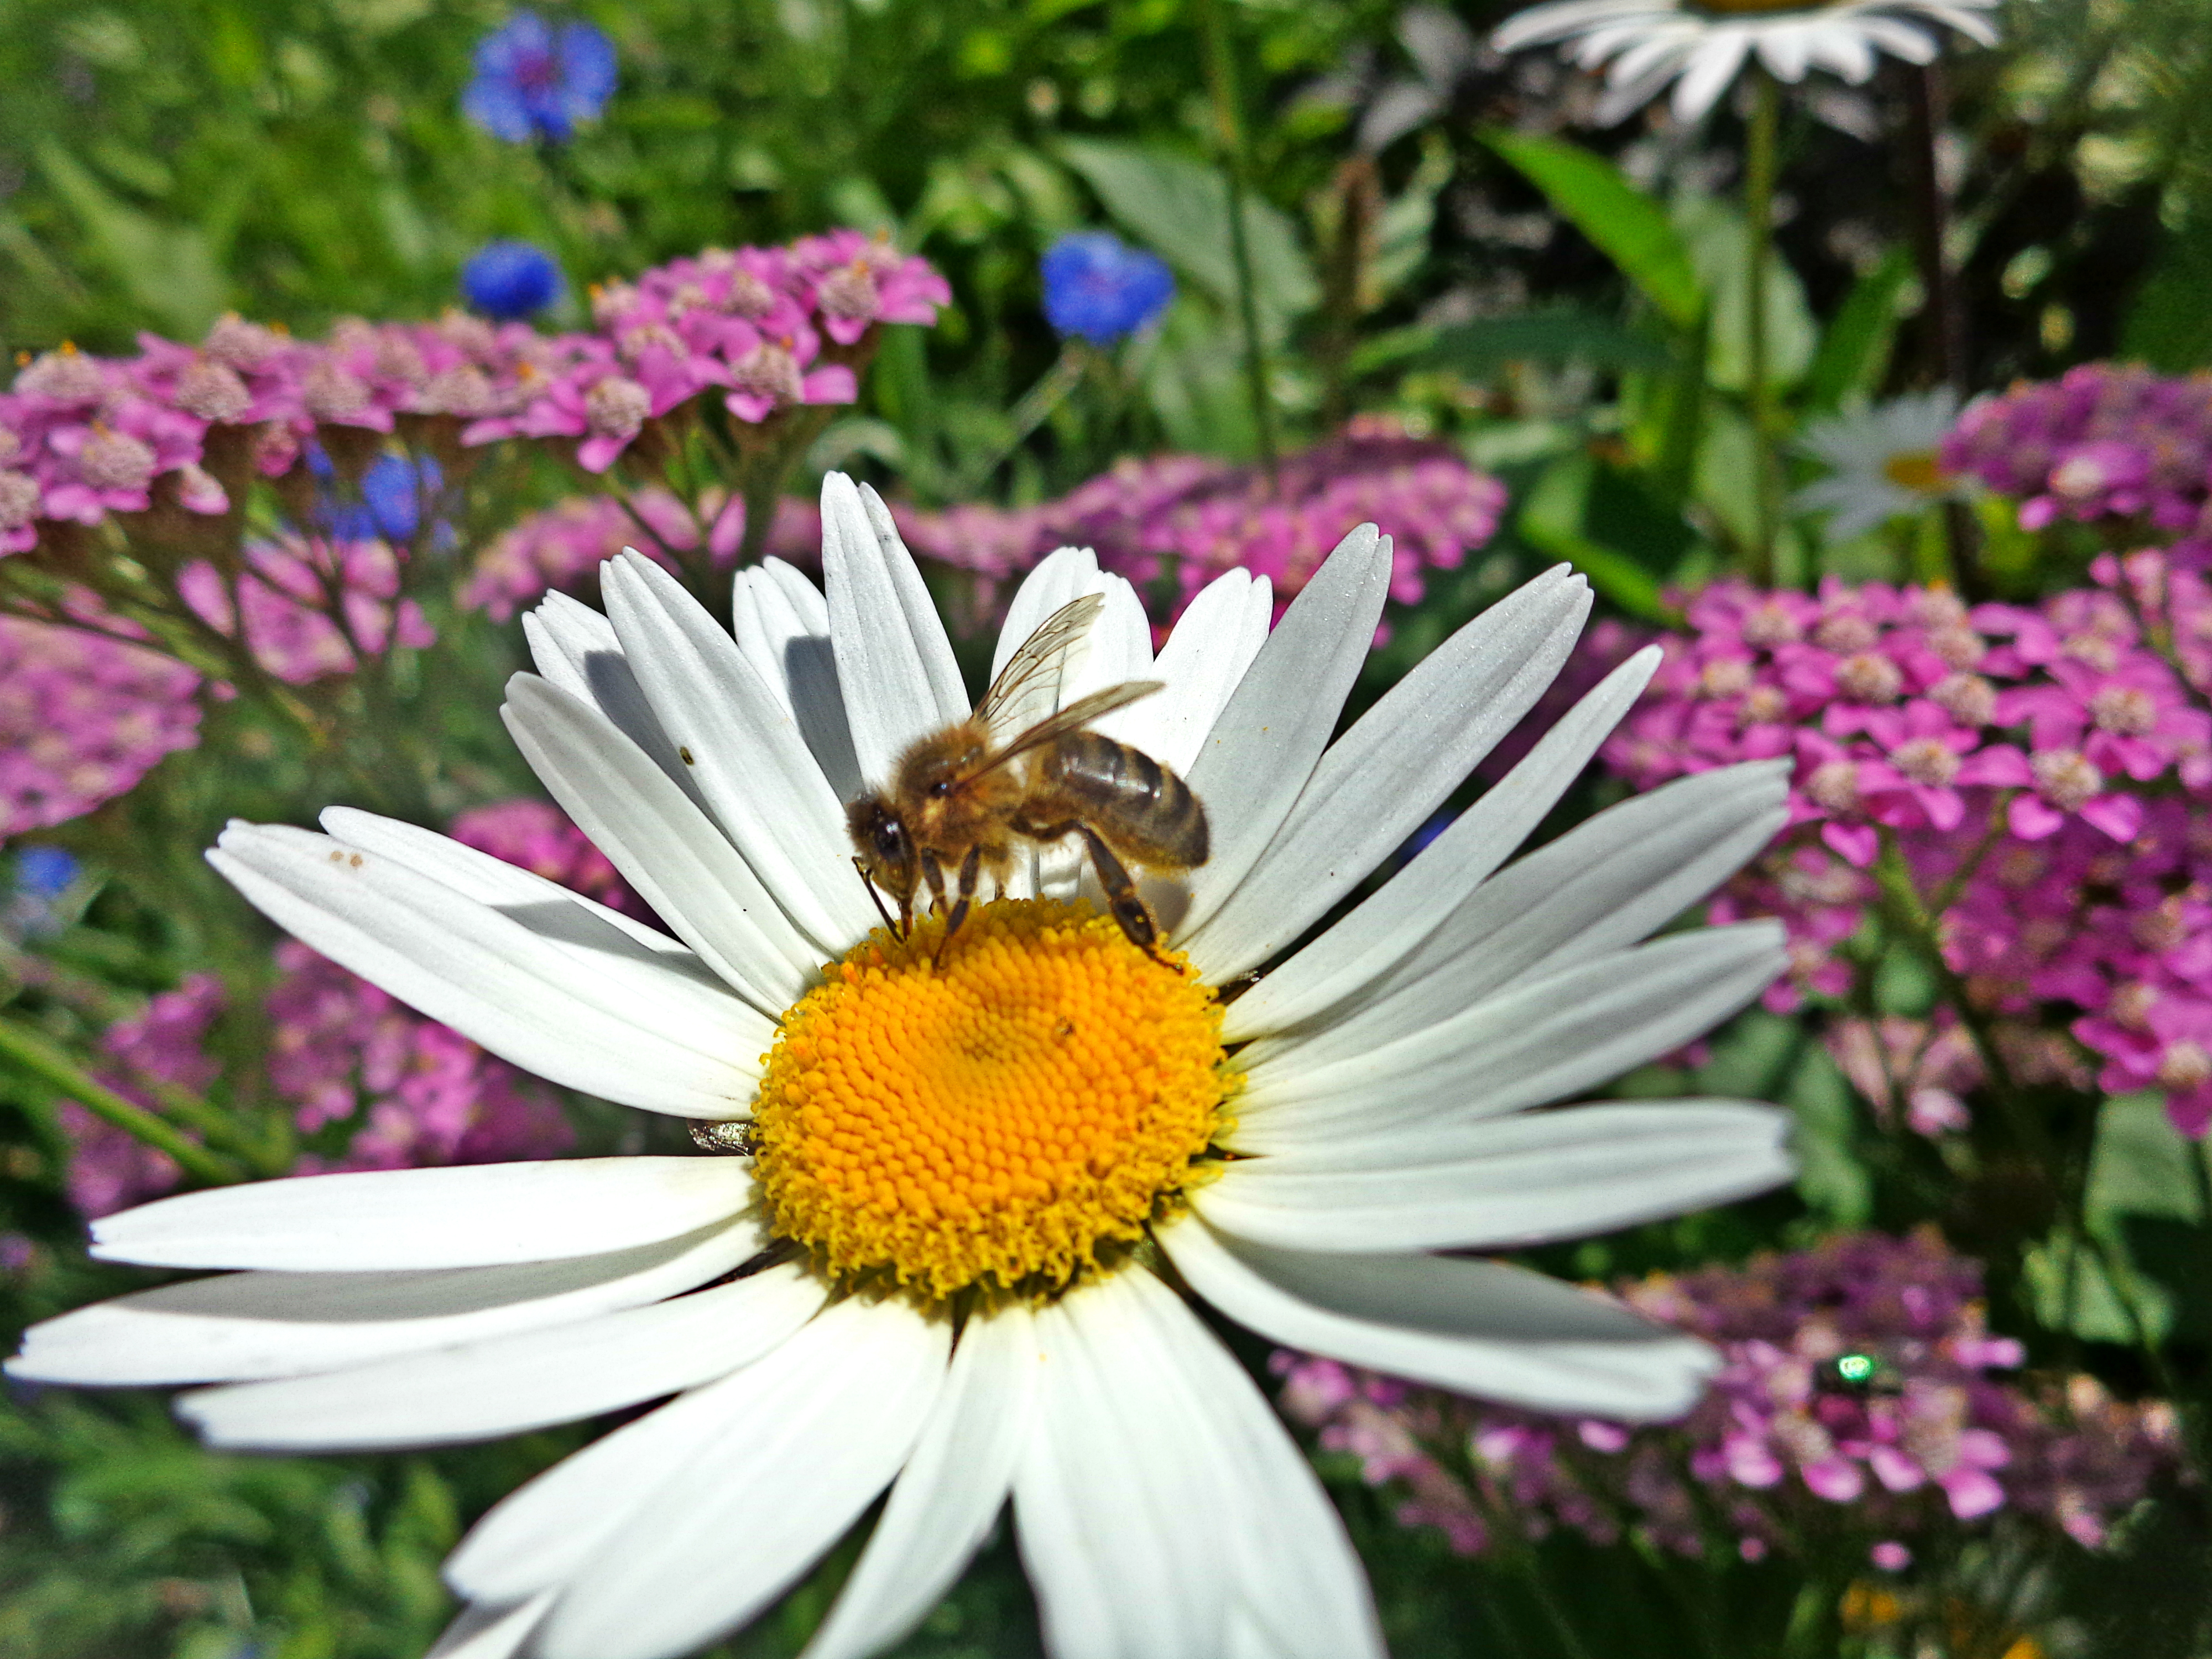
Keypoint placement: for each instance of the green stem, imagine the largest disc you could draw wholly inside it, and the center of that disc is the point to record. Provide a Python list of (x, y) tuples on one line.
[(1221, 82), (1760, 165), (44, 1061), (1036, 407)]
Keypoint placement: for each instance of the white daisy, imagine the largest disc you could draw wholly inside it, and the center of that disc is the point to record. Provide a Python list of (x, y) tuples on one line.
[(1699, 45), (955, 1265), (1883, 461)]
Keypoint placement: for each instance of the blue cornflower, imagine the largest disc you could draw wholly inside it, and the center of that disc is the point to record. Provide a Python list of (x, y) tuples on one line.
[(534, 80), (508, 281), (44, 873), (1097, 286), (391, 504)]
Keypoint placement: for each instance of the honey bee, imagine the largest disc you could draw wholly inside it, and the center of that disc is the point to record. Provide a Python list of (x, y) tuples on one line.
[(959, 799)]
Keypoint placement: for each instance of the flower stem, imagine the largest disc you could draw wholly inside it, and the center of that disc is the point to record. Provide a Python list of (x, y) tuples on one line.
[(1760, 165), (43, 1059), (1221, 82)]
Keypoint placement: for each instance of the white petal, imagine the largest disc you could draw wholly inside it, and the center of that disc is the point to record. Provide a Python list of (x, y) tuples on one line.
[(459, 1216), (1476, 1328), (782, 625), (575, 647), (1506, 1183), (893, 660), (1538, 1043), (593, 1021), (1710, 70), (951, 1490), (1299, 1586), (1384, 928), (585, 928), (1384, 778), (1162, 1507), (239, 1326), (490, 1633), (1111, 1498), (807, 1436), (673, 854), (1262, 749), (1605, 883), (1214, 642), (1059, 578), (508, 1384), (760, 779)]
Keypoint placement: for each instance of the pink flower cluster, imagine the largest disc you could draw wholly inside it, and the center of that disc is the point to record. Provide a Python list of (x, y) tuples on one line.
[(1187, 518), (313, 606), (83, 437), (564, 545), (1858, 1384), (401, 1091), (2103, 441), (187, 427), (412, 1091), (2044, 776), (165, 1044), (767, 328), (81, 719)]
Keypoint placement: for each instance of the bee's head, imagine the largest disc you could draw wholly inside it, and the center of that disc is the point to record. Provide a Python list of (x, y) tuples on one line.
[(880, 837)]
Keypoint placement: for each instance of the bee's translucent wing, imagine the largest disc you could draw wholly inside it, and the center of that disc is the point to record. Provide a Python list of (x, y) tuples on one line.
[(1074, 718), (1028, 687)]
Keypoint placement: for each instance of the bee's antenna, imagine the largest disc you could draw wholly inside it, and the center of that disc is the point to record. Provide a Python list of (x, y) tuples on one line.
[(869, 882)]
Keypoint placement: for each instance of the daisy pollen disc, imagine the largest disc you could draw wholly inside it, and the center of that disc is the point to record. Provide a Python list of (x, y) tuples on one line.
[(1012, 1119)]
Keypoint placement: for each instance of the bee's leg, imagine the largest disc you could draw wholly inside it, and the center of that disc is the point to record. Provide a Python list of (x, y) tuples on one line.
[(1122, 898), (897, 931), (933, 874), (971, 868)]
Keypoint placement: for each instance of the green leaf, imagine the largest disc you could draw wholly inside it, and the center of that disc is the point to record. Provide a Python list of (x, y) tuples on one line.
[(1551, 521), (1479, 347), (2169, 327), (1625, 225), (1717, 237), (1179, 207), (169, 270), (1854, 352)]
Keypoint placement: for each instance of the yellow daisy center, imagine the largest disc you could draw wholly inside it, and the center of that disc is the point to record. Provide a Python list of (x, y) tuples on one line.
[(1915, 470), (1012, 1117)]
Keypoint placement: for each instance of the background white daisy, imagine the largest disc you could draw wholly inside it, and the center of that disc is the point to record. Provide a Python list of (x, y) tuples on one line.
[(1645, 46)]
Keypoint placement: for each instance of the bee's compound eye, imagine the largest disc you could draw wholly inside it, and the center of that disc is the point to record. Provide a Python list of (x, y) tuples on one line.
[(892, 845)]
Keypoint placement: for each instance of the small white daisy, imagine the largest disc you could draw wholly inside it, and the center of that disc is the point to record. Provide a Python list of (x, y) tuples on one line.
[(1699, 45), (954, 1264), (1884, 461)]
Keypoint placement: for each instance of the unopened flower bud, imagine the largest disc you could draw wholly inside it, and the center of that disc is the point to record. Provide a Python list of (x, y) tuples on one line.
[(766, 371), (331, 393), (2185, 1064), (1966, 698), (2126, 710), (849, 292), (1834, 786), (18, 500), (212, 391), (1869, 676), (616, 407), (2066, 778), (63, 376), (1845, 631), (1927, 760), (115, 460)]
